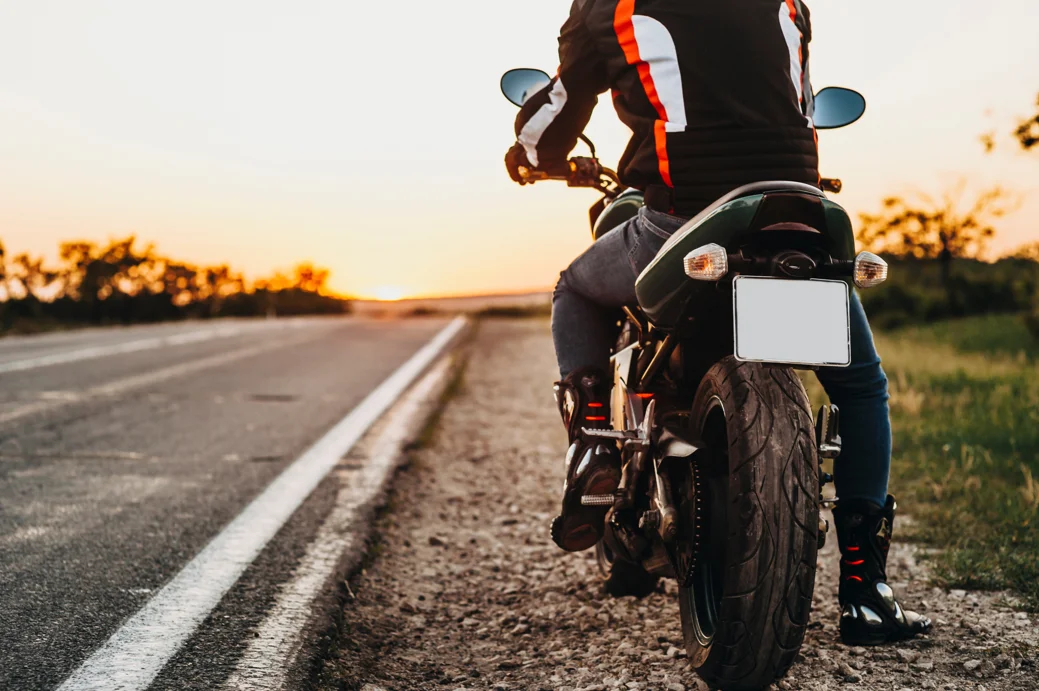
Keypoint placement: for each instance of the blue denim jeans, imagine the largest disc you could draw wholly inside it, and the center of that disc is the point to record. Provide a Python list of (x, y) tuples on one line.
[(598, 283)]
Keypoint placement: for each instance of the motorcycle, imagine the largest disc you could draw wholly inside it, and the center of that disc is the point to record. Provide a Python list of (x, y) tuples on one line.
[(722, 475)]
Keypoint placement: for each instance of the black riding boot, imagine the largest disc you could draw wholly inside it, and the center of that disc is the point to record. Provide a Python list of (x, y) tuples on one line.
[(592, 469), (870, 615)]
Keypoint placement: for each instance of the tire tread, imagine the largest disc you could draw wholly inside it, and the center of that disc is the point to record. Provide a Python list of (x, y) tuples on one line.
[(772, 516)]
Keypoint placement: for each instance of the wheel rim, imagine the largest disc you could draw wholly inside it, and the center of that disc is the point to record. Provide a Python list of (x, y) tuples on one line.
[(705, 592)]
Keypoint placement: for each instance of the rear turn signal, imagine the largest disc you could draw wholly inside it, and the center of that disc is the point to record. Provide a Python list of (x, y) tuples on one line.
[(870, 270), (707, 263)]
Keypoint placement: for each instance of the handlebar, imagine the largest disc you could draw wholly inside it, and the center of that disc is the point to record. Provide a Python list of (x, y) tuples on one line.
[(586, 171), (579, 171), (572, 169)]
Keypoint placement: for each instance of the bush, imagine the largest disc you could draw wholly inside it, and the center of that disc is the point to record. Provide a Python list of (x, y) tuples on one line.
[(1031, 318), (123, 283), (915, 291)]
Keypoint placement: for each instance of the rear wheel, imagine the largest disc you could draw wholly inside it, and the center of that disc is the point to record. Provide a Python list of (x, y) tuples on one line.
[(745, 606)]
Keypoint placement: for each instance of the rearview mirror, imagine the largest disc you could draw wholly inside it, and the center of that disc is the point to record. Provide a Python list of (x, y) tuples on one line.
[(520, 84), (836, 107)]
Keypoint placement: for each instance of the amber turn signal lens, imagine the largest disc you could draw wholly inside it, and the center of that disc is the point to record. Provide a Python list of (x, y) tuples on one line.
[(707, 263), (870, 270)]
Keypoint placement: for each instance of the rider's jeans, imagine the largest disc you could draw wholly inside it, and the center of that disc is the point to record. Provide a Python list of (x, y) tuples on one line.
[(600, 281)]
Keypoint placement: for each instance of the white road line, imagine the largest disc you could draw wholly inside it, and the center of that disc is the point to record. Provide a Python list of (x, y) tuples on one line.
[(271, 653), (136, 381), (138, 651), (137, 346)]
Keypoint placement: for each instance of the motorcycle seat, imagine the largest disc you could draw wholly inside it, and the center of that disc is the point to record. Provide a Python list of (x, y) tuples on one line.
[(754, 188)]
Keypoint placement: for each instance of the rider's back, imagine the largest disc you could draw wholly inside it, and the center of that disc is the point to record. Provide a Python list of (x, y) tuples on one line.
[(715, 91)]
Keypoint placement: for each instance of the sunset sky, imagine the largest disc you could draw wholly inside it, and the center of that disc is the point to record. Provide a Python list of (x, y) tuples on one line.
[(369, 137)]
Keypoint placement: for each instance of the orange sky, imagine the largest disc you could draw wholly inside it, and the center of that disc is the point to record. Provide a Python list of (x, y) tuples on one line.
[(370, 140)]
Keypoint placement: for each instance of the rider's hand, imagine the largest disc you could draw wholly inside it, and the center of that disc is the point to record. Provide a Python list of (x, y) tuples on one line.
[(514, 160)]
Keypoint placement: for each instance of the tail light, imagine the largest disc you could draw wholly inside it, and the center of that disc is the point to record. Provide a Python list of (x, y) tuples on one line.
[(707, 263), (869, 270)]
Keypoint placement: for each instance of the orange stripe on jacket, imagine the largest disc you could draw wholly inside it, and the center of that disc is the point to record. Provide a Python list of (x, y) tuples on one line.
[(625, 29), (660, 134), (793, 9)]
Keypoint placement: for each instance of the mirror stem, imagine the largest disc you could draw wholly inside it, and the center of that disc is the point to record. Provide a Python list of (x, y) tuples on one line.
[(588, 141)]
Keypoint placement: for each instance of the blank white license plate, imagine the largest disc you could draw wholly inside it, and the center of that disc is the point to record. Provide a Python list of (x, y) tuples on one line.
[(791, 322)]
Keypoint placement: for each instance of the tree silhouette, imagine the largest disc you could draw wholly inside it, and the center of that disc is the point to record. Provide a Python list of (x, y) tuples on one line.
[(32, 277), (5, 295), (122, 281), (310, 278), (1028, 131), (923, 228), (1029, 251)]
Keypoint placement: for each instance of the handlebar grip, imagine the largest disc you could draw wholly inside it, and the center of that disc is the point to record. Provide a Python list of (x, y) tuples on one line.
[(558, 170), (580, 171)]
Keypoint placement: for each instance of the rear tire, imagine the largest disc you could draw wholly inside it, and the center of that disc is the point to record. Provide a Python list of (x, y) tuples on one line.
[(622, 578), (745, 613)]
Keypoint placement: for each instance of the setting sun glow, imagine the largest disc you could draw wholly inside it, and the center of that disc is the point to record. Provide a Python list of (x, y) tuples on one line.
[(386, 293), (246, 132)]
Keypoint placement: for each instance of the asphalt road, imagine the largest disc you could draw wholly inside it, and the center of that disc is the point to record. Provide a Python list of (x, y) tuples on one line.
[(123, 452)]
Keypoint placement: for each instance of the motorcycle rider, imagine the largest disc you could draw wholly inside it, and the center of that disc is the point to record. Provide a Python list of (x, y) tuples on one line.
[(717, 95)]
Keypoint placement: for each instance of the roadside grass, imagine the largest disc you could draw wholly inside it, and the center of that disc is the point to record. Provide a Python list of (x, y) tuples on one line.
[(455, 386), (995, 334), (965, 412)]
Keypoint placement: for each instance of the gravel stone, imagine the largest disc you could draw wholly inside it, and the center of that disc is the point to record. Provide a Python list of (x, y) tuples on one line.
[(971, 665), (907, 655)]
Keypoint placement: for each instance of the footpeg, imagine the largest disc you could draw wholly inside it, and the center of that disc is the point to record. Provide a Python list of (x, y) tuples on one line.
[(591, 433), (827, 424), (598, 500)]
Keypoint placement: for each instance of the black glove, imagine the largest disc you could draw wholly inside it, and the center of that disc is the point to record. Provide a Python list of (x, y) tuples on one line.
[(514, 159)]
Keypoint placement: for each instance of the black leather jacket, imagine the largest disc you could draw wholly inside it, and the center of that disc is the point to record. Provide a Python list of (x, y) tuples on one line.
[(716, 93)]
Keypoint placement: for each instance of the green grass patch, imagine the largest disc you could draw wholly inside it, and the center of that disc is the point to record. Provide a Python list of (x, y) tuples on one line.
[(965, 411), (993, 334)]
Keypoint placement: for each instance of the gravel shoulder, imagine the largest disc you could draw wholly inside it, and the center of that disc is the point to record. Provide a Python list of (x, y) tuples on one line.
[(464, 590)]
